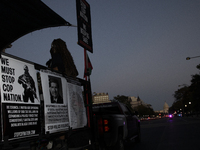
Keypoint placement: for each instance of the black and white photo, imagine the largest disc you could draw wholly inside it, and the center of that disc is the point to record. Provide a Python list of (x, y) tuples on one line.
[(55, 89)]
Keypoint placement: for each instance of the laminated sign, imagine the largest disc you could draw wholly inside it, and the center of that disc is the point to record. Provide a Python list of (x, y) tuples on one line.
[(20, 103), (55, 102), (26, 94), (63, 104)]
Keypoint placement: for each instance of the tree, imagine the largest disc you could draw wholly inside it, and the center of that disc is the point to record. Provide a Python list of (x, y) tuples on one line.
[(188, 94), (180, 94), (123, 99), (182, 98), (195, 91), (142, 110), (176, 106)]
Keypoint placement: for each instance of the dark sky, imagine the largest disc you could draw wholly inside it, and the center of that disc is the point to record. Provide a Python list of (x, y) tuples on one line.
[(140, 46)]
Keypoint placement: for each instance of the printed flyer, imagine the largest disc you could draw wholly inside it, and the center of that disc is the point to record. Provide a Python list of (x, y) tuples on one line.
[(55, 92), (19, 98), (77, 110)]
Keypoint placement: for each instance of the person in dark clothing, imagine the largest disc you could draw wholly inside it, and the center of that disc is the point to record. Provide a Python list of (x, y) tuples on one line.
[(61, 59), (56, 61)]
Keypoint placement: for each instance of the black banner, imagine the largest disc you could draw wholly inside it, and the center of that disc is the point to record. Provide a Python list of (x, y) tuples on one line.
[(84, 25), (20, 120)]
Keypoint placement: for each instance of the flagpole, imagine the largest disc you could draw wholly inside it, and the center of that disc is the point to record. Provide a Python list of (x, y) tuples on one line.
[(87, 88), (88, 93)]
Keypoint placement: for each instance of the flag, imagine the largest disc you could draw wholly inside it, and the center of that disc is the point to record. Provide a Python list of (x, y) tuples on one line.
[(88, 66)]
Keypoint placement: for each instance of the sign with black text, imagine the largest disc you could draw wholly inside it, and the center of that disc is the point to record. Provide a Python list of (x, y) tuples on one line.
[(19, 99), (55, 102), (77, 110), (84, 25)]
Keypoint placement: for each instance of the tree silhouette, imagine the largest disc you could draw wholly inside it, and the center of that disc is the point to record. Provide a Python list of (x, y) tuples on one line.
[(188, 94)]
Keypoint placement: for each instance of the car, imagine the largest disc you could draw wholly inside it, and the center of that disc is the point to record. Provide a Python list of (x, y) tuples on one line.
[(115, 123)]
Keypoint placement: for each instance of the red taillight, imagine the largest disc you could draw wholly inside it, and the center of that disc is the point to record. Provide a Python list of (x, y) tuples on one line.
[(105, 122), (103, 125), (106, 128), (106, 125)]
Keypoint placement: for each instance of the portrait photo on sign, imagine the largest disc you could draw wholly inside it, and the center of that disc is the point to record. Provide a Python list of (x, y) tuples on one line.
[(55, 90)]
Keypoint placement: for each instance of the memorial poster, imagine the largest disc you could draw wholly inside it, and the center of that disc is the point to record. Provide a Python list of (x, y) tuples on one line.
[(55, 92), (19, 99)]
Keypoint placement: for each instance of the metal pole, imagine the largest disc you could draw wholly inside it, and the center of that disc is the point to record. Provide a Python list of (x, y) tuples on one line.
[(188, 58)]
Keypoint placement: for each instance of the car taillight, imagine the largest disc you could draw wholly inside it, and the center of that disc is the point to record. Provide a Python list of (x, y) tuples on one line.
[(106, 128), (106, 125), (105, 121), (103, 125)]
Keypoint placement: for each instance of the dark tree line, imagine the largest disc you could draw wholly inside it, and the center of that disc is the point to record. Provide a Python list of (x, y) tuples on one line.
[(187, 97), (141, 109)]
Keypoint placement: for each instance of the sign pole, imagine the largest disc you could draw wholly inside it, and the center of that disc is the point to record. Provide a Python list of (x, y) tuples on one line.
[(87, 87), (85, 40), (86, 64)]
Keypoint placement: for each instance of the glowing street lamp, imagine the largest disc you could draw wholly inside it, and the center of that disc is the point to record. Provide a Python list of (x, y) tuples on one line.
[(188, 58)]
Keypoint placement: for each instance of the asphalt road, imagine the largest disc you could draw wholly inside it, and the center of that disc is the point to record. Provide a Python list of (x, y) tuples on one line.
[(165, 134), (169, 134)]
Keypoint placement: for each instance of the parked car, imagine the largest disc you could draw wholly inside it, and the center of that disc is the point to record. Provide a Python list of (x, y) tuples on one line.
[(114, 124)]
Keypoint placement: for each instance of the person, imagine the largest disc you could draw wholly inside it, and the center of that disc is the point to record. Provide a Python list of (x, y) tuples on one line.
[(56, 61), (61, 59), (54, 92), (28, 84)]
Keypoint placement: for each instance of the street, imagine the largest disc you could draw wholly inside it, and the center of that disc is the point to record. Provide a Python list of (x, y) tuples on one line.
[(179, 133), (169, 134)]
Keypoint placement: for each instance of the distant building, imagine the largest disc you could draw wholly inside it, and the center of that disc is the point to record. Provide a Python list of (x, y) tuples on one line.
[(100, 98), (165, 109), (136, 101)]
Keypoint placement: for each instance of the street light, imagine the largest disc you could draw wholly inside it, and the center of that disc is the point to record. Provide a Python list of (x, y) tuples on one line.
[(188, 58)]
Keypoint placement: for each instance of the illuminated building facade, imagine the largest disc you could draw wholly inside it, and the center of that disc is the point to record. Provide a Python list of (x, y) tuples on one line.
[(100, 98)]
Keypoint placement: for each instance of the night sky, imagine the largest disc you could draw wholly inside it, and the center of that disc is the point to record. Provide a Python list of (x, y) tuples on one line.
[(140, 46)]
